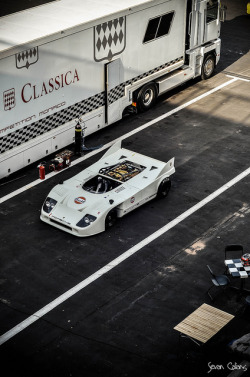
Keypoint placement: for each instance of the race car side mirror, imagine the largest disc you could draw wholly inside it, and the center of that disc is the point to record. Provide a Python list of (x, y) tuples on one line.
[(111, 201)]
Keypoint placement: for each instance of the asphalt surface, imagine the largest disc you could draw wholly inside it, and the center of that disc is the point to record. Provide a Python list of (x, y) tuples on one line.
[(122, 323)]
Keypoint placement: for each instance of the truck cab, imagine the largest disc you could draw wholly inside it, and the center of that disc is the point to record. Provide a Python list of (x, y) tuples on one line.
[(203, 22)]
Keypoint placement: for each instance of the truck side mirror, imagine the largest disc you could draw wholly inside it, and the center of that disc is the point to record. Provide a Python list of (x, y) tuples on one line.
[(223, 11)]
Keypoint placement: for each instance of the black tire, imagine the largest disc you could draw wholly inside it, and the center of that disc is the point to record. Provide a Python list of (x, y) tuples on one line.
[(110, 219), (164, 188), (146, 97), (208, 67)]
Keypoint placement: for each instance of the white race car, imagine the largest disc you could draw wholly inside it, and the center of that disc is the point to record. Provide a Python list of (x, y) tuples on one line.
[(119, 182)]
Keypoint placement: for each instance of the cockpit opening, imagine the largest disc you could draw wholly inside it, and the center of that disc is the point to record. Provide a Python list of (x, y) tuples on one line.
[(100, 185)]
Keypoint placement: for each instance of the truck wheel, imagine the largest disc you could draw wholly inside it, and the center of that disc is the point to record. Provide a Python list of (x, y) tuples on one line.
[(208, 67), (110, 219), (164, 188), (146, 97)]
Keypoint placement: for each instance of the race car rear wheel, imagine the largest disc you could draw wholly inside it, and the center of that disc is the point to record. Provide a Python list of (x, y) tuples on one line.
[(110, 219), (164, 188)]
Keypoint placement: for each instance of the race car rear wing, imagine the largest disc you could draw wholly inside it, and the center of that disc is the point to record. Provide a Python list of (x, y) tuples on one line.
[(114, 148), (168, 168)]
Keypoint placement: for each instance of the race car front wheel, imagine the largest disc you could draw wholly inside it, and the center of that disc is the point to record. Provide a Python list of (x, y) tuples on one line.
[(164, 188), (110, 219)]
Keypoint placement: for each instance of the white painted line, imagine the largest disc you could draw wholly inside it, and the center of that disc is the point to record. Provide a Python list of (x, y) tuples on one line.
[(125, 136), (115, 262), (239, 78)]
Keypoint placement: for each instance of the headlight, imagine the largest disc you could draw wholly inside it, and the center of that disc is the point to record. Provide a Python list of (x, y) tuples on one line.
[(86, 221), (49, 204)]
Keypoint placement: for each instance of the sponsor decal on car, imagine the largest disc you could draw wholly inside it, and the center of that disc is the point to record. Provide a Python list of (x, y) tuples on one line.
[(80, 200), (132, 200)]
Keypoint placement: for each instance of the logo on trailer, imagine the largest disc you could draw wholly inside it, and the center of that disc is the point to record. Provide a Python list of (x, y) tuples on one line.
[(9, 99), (31, 91), (80, 200), (109, 39), (26, 58)]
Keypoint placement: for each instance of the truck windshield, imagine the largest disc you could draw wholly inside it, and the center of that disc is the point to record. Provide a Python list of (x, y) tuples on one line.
[(212, 10)]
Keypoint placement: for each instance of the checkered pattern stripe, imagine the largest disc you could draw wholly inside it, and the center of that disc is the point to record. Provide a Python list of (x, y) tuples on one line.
[(236, 268), (110, 38), (53, 121), (118, 91), (157, 69)]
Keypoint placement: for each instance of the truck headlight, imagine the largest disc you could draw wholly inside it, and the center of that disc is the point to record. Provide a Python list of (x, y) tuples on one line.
[(86, 221), (49, 204)]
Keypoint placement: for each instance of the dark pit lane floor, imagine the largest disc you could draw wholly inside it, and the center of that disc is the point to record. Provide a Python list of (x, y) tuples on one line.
[(123, 322)]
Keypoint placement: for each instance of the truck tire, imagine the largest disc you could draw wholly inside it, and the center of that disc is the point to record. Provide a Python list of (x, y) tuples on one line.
[(164, 188), (110, 219), (208, 67), (147, 97)]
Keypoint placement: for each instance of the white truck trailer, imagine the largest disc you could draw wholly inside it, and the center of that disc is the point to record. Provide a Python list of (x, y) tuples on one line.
[(94, 59)]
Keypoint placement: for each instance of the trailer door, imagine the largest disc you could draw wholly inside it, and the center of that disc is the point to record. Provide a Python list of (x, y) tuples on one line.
[(113, 78)]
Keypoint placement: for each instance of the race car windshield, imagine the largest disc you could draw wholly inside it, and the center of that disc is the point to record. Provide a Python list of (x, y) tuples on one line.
[(100, 185)]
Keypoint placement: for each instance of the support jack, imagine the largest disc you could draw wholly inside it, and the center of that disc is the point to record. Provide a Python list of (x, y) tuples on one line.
[(83, 146)]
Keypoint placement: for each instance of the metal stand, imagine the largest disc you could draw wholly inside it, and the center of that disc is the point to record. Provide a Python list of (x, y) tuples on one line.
[(83, 146)]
